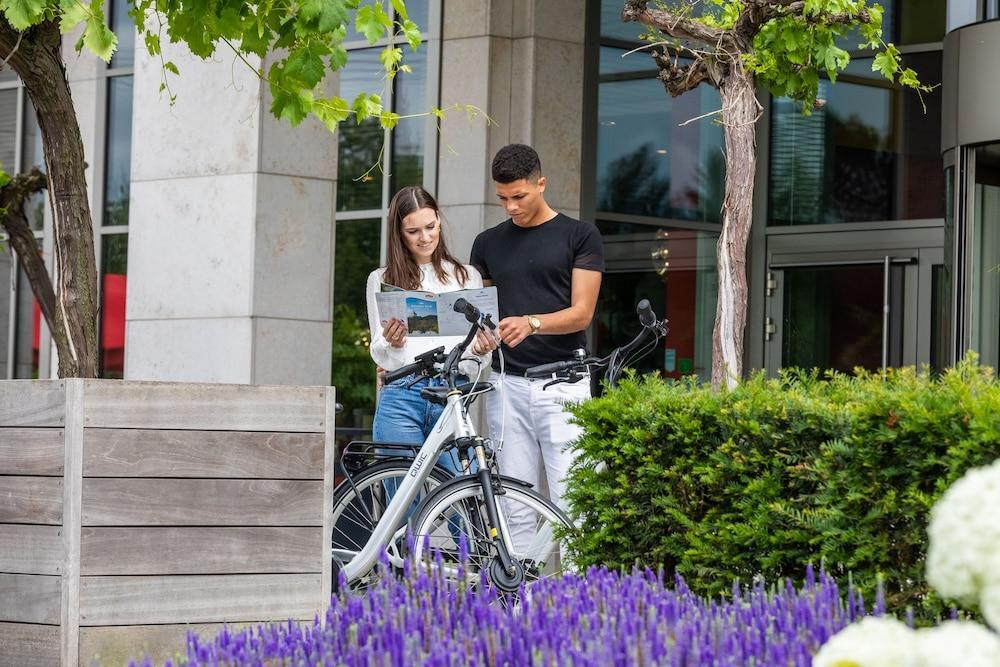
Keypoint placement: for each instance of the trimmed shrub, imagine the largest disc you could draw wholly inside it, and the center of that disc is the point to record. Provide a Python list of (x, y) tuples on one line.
[(755, 481)]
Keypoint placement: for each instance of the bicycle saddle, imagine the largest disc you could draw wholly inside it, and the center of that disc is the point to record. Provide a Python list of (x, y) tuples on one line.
[(439, 395)]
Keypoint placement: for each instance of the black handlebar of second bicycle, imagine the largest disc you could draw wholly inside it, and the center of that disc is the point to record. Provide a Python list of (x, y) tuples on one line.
[(649, 325)]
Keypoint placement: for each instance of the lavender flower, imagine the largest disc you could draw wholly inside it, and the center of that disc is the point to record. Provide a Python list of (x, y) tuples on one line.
[(598, 618)]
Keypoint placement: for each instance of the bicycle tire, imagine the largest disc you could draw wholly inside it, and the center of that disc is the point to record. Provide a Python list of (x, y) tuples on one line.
[(358, 506), (459, 503)]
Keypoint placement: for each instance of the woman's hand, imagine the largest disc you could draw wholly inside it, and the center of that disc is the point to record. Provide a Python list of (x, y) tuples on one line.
[(394, 331), (484, 343)]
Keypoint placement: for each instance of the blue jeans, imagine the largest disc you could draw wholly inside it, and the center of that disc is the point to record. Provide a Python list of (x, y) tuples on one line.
[(403, 416)]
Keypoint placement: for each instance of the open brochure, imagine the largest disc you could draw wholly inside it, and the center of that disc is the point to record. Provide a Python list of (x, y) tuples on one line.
[(430, 314)]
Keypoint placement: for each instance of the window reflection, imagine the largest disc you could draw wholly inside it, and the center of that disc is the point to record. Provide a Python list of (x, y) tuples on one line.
[(647, 164), (119, 151), (8, 130), (409, 137), (675, 270), (359, 185), (27, 331), (870, 154), (985, 289), (114, 269), (32, 156), (124, 28)]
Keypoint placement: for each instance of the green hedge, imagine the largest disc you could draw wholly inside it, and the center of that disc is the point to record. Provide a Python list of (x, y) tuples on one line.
[(776, 473)]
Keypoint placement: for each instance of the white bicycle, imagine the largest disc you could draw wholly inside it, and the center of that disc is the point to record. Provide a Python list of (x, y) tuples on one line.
[(392, 490)]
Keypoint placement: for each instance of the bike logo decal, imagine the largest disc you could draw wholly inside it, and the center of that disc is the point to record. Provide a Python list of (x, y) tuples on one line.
[(418, 464)]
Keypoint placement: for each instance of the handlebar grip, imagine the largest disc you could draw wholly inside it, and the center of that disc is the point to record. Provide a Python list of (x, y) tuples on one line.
[(545, 370), (401, 372), (471, 312), (646, 315)]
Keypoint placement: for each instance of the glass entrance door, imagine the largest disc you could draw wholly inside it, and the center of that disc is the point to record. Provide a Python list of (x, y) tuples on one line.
[(843, 310)]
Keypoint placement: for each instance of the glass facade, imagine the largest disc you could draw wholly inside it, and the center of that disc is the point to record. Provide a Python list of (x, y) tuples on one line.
[(871, 154), (371, 165)]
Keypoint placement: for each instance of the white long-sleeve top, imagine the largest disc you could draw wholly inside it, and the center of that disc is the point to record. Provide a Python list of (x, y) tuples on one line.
[(390, 358)]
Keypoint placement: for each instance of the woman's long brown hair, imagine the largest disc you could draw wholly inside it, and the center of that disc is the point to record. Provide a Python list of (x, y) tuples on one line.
[(401, 269)]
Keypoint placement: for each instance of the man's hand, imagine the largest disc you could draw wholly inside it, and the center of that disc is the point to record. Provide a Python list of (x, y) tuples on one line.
[(485, 342), (513, 330)]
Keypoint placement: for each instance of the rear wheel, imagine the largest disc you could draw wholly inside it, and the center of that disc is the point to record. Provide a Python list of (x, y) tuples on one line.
[(358, 507)]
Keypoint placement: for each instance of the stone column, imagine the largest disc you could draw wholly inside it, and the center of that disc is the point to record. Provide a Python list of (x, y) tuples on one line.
[(230, 231), (522, 62)]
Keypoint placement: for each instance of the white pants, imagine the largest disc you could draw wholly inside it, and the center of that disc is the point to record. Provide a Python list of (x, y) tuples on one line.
[(536, 432)]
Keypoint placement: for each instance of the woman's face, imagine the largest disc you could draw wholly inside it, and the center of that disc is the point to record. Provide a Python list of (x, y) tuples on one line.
[(421, 231)]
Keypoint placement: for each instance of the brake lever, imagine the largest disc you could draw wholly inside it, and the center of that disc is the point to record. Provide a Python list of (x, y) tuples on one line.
[(570, 377)]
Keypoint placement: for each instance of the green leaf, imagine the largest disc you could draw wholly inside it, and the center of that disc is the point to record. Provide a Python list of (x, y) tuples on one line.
[(390, 57), (4, 177), (365, 106), (22, 14), (886, 63), (305, 64), (293, 106), (330, 13), (389, 120), (171, 67), (400, 9), (412, 34), (256, 42), (338, 57), (99, 39), (152, 43), (332, 111), (72, 13), (372, 22)]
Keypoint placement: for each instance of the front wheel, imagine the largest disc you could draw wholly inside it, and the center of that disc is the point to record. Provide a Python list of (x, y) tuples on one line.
[(452, 523)]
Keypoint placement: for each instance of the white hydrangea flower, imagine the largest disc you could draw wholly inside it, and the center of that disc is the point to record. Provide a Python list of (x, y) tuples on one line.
[(989, 605), (958, 644), (875, 641), (963, 557)]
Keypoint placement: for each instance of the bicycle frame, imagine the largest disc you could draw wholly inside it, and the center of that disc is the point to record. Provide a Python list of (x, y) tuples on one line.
[(453, 424)]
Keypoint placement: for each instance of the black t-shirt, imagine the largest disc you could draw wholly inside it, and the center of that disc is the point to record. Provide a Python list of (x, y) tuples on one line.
[(532, 268)]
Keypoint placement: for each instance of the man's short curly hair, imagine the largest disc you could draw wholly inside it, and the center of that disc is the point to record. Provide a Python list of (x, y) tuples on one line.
[(514, 162)]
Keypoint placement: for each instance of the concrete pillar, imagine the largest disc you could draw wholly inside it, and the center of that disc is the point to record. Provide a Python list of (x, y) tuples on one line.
[(230, 231), (522, 62)]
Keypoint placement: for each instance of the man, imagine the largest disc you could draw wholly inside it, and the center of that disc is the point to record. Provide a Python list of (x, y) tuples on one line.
[(547, 268)]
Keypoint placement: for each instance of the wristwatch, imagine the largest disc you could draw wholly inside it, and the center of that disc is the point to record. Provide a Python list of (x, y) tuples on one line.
[(534, 323)]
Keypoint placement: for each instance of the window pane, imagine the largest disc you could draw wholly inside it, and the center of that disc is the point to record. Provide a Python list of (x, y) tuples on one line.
[(119, 151), (6, 266), (418, 13), (985, 288), (649, 165), (684, 290), (870, 154), (409, 136), (124, 28), (357, 255), (27, 331), (359, 182), (8, 130), (906, 22), (114, 268), (32, 156), (612, 25), (614, 61)]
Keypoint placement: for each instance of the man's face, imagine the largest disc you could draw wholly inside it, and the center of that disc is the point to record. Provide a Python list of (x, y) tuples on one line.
[(522, 199)]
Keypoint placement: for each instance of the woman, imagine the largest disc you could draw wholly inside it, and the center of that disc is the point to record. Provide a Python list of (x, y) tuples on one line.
[(418, 259)]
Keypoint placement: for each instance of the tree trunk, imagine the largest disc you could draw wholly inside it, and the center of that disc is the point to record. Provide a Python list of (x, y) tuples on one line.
[(36, 56), (739, 115)]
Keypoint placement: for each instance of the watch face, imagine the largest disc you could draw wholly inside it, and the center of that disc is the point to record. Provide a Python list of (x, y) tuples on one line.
[(534, 323)]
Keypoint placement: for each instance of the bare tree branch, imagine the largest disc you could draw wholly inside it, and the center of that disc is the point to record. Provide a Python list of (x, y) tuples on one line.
[(13, 197), (679, 79), (671, 24)]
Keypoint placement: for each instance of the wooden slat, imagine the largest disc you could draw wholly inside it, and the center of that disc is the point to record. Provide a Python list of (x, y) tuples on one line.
[(31, 500), (32, 402), (150, 551), (201, 502), (197, 599), (28, 549), (69, 614), (31, 451), (174, 453), (219, 407), (29, 598), (329, 465), (28, 645), (120, 644)]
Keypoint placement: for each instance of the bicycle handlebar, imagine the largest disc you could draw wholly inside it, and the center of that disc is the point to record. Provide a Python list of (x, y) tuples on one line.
[(544, 370)]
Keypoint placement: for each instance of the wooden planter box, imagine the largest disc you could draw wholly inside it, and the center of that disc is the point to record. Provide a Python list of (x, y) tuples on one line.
[(131, 512)]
